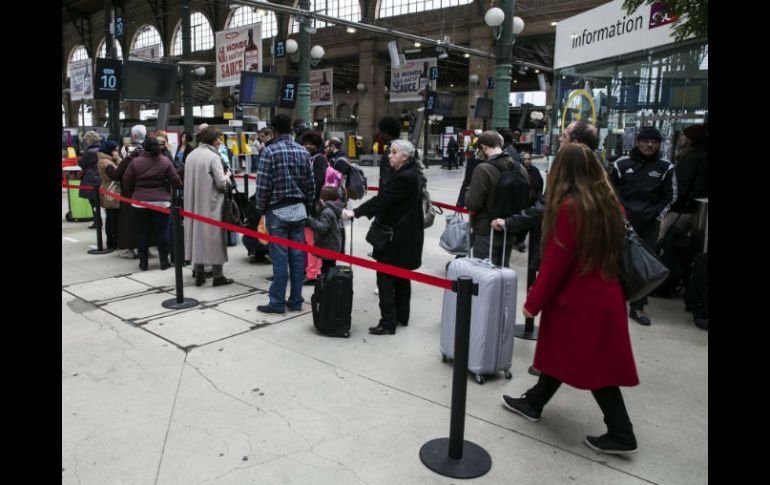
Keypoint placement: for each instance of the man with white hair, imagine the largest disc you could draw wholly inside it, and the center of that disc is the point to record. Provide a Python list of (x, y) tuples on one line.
[(138, 133)]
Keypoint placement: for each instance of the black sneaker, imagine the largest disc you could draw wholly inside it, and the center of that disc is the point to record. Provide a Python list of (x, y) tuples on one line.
[(521, 406), (308, 282), (610, 446), (639, 317), (270, 278)]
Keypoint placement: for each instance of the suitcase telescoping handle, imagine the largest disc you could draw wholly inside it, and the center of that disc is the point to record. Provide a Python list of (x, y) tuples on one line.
[(491, 239), (351, 241)]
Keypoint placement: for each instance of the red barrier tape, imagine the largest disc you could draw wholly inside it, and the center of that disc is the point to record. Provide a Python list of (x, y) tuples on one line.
[(437, 204), (381, 267)]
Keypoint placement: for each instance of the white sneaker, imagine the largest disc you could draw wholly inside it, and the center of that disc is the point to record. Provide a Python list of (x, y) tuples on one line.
[(376, 292), (128, 254)]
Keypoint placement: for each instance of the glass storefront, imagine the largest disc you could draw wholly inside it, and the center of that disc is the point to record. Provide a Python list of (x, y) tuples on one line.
[(666, 87)]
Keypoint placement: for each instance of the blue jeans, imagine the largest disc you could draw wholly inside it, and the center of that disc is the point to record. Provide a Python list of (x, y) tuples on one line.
[(287, 262)]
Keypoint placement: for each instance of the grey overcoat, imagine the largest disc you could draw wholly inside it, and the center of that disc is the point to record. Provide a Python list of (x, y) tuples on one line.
[(204, 181)]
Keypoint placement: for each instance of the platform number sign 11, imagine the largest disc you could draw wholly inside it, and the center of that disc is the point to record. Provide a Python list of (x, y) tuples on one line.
[(108, 79), (288, 92)]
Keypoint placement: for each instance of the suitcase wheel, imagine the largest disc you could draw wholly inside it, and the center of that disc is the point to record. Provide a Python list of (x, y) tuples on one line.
[(508, 374), (346, 334), (444, 358), (479, 379), (68, 216)]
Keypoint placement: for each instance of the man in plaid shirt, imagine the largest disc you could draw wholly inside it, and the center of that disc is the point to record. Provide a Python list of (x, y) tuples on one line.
[(284, 193)]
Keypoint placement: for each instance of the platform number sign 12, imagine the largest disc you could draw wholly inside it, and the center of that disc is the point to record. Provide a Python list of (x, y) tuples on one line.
[(108, 79), (430, 102)]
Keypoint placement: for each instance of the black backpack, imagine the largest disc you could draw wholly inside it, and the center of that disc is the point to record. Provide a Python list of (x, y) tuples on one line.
[(675, 250), (514, 192)]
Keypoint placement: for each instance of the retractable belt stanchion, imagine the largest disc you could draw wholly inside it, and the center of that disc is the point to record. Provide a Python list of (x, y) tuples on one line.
[(454, 456), (98, 221), (528, 330), (180, 301)]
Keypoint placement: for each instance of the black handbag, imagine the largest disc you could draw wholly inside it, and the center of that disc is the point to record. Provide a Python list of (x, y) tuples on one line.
[(642, 272), (379, 235), (231, 213)]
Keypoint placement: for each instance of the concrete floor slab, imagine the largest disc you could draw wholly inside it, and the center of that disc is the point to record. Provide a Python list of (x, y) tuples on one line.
[(107, 289), (196, 327), (246, 309)]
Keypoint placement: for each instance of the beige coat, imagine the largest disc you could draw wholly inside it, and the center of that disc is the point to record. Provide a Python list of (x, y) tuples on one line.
[(204, 181), (106, 201)]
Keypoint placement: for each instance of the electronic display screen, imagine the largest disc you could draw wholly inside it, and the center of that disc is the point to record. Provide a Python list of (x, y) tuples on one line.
[(483, 108), (439, 103), (149, 81), (260, 89)]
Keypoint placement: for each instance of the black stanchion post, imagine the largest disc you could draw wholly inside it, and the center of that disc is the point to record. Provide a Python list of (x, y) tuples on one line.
[(246, 185), (180, 301), (98, 221), (454, 456), (528, 330)]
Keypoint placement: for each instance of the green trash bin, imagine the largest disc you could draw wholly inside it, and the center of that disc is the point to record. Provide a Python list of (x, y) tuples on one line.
[(80, 208)]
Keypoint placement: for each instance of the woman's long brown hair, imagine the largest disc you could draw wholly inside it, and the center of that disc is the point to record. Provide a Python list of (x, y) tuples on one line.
[(597, 220)]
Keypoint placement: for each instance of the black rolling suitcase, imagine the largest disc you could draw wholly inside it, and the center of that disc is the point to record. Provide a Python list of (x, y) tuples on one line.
[(332, 300)]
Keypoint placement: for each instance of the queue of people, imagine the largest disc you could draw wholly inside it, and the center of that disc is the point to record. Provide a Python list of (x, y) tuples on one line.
[(579, 222)]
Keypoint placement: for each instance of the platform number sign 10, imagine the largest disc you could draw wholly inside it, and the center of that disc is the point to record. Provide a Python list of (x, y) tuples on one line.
[(108, 79)]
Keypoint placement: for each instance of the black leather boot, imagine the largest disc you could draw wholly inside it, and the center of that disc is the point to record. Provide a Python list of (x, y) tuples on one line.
[(143, 255), (163, 255)]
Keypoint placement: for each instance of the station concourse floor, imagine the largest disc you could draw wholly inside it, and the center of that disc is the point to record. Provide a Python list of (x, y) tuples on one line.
[(223, 394)]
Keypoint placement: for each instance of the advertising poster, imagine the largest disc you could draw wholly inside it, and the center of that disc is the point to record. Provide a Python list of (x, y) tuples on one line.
[(238, 49), (151, 53), (406, 81), (81, 80), (321, 87)]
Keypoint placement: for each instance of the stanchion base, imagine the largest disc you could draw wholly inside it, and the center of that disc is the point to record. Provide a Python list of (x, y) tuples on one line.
[(103, 251), (186, 303), (474, 463), (520, 331)]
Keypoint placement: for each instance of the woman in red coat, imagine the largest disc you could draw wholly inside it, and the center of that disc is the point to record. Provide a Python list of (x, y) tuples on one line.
[(583, 339)]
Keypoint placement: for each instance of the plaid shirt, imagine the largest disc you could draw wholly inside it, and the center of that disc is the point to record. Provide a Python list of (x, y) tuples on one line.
[(284, 174)]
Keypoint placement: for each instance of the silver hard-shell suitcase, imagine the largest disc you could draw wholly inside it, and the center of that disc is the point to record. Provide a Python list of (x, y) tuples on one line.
[(492, 315)]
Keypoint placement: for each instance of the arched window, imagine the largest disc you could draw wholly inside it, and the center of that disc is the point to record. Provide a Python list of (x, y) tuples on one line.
[(102, 50), (78, 54), (391, 8), (147, 36), (85, 115), (201, 35), (247, 16), (341, 9)]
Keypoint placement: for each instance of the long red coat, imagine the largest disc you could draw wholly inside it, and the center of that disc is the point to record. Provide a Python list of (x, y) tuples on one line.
[(583, 339)]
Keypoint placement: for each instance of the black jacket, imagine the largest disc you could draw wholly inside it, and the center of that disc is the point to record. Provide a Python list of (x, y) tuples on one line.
[(646, 187), (386, 172), (692, 178), (91, 177), (535, 179), (399, 205), (472, 163)]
